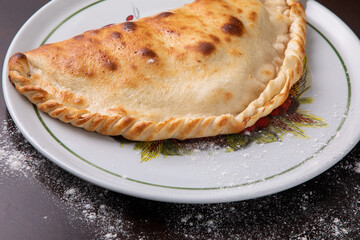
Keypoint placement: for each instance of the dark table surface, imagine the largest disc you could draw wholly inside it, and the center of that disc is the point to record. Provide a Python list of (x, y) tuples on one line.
[(38, 200)]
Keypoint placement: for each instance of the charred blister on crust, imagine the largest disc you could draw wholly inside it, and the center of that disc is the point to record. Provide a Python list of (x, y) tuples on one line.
[(205, 48), (116, 35), (147, 52), (164, 15), (18, 62), (19, 56), (233, 27), (129, 26), (112, 66)]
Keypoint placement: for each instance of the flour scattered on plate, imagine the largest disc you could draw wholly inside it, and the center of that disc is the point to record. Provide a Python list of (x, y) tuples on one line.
[(114, 216)]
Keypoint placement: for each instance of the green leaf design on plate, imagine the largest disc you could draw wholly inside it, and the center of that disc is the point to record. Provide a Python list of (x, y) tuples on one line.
[(236, 142), (149, 150), (171, 148), (289, 119)]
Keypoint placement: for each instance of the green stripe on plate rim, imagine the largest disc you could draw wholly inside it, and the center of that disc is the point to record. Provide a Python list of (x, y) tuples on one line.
[(203, 188)]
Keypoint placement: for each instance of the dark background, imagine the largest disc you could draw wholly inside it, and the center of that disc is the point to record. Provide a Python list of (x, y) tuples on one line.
[(40, 201)]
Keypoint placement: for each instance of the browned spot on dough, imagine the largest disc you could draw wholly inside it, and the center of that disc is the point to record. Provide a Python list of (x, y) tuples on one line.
[(118, 110), (228, 95), (222, 122), (252, 16), (239, 10), (171, 32), (89, 73), (133, 66), (82, 119), (146, 52), (225, 6), (233, 27), (48, 106), (93, 41), (110, 65), (68, 118), (189, 127), (38, 97), (19, 56), (57, 112), (31, 88), (70, 98), (127, 121), (205, 48), (141, 127), (267, 73), (94, 32), (116, 35), (164, 14), (129, 26), (78, 37), (173, 126), (95, 122), (214, 38)]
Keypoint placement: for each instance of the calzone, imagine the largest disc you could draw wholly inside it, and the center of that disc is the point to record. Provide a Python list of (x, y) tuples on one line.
[(207, 68)]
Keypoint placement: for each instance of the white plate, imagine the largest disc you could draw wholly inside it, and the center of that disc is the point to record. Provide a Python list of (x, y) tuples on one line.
[(203, 177)]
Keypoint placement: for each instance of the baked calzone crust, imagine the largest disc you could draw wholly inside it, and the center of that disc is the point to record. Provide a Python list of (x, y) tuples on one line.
[(210, 67)]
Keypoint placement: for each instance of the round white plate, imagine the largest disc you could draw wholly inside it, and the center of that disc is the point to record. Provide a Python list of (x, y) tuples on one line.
[(204, 176)]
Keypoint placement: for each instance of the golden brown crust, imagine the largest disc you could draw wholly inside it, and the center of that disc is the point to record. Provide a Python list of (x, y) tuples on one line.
[(72, 108)]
